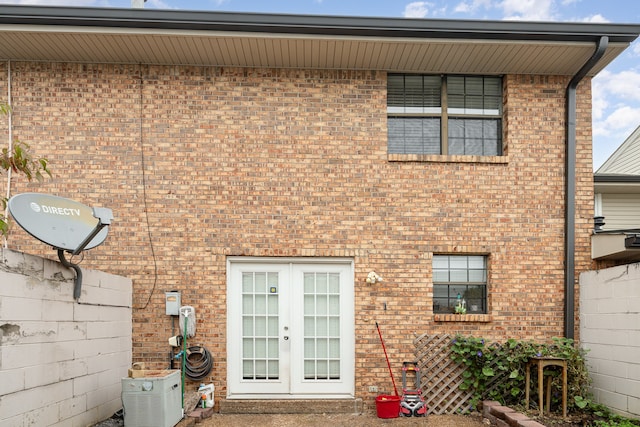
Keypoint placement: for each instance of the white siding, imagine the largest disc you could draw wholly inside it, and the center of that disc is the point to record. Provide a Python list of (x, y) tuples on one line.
[(621, 211), (626, 159)]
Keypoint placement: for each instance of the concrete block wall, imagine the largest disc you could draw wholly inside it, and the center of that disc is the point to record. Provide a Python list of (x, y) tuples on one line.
[(61, 360), (610, 330)]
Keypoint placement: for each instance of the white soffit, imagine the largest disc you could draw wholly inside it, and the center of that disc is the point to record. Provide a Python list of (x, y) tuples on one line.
[(267, 50)]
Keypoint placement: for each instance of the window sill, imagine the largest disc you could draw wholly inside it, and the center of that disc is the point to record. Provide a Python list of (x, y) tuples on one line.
[(479, 318), (447, 159)]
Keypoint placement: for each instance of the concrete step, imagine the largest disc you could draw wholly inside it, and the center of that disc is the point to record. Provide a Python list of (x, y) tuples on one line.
[(284, 406)]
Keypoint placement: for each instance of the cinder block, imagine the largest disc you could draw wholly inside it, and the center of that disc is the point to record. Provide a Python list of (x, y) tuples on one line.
[(14, 309), (58, 311), (20, 261), (11, 380), (41, 374)]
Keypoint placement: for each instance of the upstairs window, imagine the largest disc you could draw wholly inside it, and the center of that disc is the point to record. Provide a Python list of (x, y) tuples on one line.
[(459, 279), (444, 115)]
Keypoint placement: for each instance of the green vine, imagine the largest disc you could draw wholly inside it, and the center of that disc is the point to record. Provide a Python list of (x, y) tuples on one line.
[(20, 160), (497, 371)]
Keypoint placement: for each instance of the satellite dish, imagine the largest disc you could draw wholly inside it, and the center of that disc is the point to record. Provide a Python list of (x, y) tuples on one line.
[(65, 224), (56, 221)]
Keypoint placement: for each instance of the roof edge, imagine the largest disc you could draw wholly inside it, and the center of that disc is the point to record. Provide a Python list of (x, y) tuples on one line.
[(615, 178), (317, 24)]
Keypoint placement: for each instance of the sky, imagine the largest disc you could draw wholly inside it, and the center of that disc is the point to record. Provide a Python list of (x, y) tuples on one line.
[(616, 90)]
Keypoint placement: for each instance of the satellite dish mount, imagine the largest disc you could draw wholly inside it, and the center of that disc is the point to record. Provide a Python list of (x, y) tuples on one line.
[(65, 224)]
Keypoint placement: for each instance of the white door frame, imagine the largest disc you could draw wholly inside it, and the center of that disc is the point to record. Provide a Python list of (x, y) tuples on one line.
[(290, 385)]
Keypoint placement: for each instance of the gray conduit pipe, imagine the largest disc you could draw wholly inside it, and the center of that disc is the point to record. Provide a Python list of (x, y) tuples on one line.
[(570, 188)]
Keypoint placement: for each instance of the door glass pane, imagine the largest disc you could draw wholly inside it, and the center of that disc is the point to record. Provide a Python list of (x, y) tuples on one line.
[(334, 304), (247, 369), (272, 345), (334, 348), (321, 305), (272, 328), (272, 305), (321, 284), (322, 348), (274, 372), (247, 348), (309, 326), (334, 369), (322, 329), (260, 351), (261, 304), (247, 325), (309, 369), (334, 327), (309, 304), (260, 282), (309, 348), (334, 283)]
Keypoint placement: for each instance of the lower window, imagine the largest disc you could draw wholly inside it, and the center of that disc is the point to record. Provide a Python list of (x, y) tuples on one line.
[(459, 281)]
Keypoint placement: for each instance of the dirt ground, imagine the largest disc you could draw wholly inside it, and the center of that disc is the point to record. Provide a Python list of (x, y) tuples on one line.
[(330, 420), (326, 420)]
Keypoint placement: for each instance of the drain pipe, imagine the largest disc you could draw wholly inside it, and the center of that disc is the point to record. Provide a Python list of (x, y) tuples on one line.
[(570, 188)]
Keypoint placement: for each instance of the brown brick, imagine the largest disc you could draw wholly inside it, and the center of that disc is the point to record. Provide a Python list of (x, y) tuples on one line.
[(201, 163)]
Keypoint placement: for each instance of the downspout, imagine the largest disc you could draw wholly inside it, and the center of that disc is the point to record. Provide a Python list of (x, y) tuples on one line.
[(570, 188)]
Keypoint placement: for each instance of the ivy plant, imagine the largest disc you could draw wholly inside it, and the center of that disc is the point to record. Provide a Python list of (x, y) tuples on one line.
[(496, 371)]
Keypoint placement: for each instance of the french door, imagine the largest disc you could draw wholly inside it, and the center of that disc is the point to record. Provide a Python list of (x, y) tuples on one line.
[(290, 328)]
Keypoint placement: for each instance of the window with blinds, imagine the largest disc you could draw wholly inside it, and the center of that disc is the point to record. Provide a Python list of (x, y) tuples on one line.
[(449, 115), (459, 279)]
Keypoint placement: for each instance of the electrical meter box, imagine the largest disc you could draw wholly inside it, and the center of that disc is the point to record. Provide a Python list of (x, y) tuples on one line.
[(172, 303), (154, 400)]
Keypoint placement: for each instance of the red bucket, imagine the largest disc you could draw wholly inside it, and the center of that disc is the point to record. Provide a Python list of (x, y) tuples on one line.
[(388, 406)]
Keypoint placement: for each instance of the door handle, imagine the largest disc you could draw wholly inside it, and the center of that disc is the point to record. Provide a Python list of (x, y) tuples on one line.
[(286, 338)]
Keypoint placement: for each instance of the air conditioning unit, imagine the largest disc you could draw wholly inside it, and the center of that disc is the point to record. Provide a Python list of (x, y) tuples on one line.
[(154, 400)]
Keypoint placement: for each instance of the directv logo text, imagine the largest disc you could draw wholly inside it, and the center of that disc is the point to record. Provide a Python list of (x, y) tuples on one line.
[(54, 210)]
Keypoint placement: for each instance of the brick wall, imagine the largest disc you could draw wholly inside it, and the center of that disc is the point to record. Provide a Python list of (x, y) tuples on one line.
[(61, 361), (199, 163)]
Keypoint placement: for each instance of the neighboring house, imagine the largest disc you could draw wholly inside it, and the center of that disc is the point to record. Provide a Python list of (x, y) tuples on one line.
[(264, 165), (617, 205)]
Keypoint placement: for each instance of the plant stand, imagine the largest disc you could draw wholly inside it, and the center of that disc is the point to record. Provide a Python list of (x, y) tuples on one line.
[(541, 363)]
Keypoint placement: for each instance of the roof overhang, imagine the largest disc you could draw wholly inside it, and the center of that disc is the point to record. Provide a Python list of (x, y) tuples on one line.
[(169, 37), (616, 246), (616, 184)]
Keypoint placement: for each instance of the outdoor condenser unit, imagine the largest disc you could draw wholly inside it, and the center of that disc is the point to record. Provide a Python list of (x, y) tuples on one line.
[(154, 400)]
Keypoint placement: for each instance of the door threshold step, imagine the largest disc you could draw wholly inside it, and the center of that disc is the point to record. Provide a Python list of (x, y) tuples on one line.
[(289, 406)]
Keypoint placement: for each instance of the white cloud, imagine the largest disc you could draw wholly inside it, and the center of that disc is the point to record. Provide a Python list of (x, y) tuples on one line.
[(528, 10), (597, 18), (624, 85), (616, 101), (417, 9), (463, 8), (620, 122), (159, 4), (473, 5)]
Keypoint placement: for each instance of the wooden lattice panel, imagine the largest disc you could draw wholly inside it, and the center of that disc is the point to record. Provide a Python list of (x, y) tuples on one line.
[(441, 377)]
